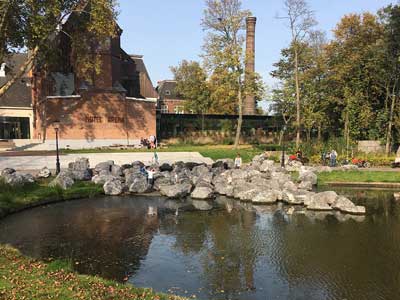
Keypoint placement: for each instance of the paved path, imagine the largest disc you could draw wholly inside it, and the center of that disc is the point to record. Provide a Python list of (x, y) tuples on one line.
[(24, 163)]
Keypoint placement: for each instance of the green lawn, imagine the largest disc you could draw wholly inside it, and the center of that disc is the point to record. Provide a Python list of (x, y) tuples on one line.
[(14, 198), (25, 278), (358, 176), (213, 151)]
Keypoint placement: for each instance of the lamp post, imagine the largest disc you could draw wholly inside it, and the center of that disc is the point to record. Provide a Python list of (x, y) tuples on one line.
[(56, 126), (283, 146)]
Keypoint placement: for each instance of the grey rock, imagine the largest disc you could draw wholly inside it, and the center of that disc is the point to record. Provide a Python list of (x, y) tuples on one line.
[(102, 179), (44, 173), (161, 180), (267, 166), (104, 166), (82, 175), (17, 179), (63, 180), (345, 205), (308, 176), (228, 163), (80, 164), (113, 187), (116, 171), (140, 185), (7, 171), (290, 186), (223, 188), (166, 167), (267, 197), (306, 185), (202, 192), (319, 204), (329, 197), (349, 167), (176, 190)]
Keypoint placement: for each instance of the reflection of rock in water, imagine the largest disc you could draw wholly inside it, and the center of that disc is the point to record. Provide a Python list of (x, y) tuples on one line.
[(317, 215), (202, 204), (346, 217)]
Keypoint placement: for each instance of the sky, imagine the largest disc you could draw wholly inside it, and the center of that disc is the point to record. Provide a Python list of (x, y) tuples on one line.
[(167, 31)]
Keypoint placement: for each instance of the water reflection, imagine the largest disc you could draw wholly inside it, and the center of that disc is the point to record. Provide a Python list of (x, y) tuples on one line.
[(236, 251)]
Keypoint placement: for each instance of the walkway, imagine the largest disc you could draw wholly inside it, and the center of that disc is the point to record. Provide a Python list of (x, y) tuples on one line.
[(31, 163)]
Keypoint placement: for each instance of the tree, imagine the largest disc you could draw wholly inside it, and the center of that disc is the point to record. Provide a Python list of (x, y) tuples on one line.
[(33, 25), (192, 85), (224, 59), (300, 20), (390, 17)]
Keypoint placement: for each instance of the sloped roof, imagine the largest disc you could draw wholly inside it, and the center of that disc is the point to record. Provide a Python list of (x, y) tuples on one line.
[(167, 90), (19, 94)]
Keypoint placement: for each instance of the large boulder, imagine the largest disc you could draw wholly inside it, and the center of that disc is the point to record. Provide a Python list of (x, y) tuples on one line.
[(17, 179), (202, 192), (223, 188), (7, 171), (227, 163), (63, 180), (113, 187), (345, 205), (329, 197), (140, 185), (44, 173), (102, 179), (267, 166), (80, 164), (117, 171), (162, 179), (82, 175), (104, 166), (176, 191), (267, 197), (306, 185), (166, 168), (308, 176), (319, 204)]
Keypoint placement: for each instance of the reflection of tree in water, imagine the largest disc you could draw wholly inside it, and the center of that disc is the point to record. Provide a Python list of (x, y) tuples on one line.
[(108, 239), (331, 259), (227, 244)]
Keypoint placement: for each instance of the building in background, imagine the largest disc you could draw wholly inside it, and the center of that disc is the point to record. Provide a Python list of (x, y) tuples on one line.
[(114, 106), (169, 101), (16, 111)]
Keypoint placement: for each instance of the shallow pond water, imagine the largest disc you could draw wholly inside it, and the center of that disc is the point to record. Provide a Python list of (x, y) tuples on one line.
[(236, 251)]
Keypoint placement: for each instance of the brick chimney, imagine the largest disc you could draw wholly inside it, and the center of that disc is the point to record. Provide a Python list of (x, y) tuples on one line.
[(249, 107)]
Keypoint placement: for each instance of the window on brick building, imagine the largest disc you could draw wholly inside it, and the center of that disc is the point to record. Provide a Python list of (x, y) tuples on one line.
[(179, 110), (164, 109)]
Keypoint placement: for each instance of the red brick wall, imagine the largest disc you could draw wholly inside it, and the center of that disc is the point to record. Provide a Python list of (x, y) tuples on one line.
[(172, 103), (98, 116)]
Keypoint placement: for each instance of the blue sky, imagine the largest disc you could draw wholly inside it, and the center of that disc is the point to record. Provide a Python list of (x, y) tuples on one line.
[(168, 31)]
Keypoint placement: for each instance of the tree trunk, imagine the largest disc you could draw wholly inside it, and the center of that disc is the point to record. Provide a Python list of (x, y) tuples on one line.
[(296, 74), (390, 124), (319, 134), (22, 70), (240, 119)]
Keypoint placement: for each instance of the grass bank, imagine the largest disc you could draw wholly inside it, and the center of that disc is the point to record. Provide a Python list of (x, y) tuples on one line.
[(25, 278), (212, 151), (358, 176), (17, 198)]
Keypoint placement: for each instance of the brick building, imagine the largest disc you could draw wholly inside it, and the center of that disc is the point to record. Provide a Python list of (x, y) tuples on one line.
[(114, 106), (16, 111), (169, 101)]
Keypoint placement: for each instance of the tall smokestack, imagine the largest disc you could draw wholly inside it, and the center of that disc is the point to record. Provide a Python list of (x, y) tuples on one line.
[(249, 107)]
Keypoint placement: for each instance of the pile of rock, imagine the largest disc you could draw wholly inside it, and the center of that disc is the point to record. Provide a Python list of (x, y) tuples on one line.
[(260, 182), (14, 178)]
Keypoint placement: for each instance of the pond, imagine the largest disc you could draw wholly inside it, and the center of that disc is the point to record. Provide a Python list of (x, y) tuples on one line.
[(235, 251)]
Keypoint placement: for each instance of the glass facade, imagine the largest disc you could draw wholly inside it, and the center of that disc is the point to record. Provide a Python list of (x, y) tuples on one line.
[(12, 128)]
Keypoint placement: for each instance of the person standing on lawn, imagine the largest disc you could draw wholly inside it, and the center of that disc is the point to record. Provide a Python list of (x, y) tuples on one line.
[(238, 161), (333, 157)]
